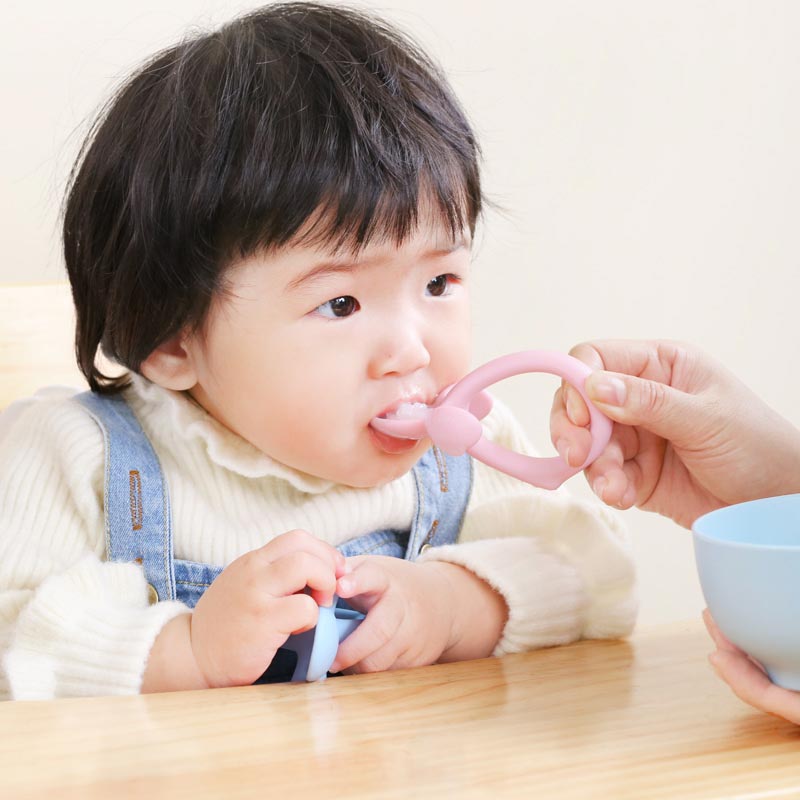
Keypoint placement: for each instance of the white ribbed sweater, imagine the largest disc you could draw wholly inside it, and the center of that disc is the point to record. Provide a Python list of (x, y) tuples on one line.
[(73, 624)]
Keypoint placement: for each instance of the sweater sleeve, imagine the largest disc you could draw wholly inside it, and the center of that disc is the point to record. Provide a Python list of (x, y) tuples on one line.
[(70, 623), (563, 565)]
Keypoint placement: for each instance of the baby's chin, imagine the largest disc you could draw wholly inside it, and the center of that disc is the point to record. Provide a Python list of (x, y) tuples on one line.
[(381, 470)]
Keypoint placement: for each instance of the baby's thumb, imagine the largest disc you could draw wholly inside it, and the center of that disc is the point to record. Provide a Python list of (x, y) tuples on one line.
[(659, 408)]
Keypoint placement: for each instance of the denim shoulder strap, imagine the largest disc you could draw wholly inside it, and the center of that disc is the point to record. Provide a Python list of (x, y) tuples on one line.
[(136, 501), (443, 484)]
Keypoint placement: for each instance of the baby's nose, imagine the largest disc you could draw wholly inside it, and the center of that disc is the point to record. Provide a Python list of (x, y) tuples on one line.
[(402, 350)]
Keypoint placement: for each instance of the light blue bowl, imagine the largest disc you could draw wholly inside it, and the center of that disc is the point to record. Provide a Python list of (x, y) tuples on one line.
[(748, 557)]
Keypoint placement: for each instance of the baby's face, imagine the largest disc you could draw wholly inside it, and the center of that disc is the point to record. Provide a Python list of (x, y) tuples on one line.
[(308, 346)]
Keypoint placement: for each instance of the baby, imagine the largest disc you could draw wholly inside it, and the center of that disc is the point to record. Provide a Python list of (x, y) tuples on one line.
[(270, 229)]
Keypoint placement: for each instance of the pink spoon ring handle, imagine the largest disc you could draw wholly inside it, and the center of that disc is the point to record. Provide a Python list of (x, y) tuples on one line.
[(450, 429)]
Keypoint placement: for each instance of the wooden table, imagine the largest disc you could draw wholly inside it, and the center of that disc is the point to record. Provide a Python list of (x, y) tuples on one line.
[(639, 719)]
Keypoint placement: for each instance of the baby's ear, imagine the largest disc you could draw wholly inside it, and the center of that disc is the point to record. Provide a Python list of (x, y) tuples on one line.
[(170, 365)]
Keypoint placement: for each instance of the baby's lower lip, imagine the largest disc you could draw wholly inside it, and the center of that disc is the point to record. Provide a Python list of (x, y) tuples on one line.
[(391, 444)]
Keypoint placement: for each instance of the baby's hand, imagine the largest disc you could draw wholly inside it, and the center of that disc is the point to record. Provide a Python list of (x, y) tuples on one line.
[(417, 614), (748, 680), (409, 616), (257, 602)]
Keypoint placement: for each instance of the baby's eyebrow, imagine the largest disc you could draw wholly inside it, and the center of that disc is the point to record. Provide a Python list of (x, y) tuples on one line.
[(326, 268), (321, 270), (447, 246)]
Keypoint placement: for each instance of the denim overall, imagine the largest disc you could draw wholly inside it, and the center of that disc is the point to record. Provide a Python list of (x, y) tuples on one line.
[(138, 523)]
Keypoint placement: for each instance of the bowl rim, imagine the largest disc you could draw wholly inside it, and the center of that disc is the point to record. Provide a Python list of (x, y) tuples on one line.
[(711, 539), (744, 545)]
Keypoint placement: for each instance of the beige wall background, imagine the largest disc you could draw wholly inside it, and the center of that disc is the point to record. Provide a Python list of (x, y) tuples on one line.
[(645, 153)]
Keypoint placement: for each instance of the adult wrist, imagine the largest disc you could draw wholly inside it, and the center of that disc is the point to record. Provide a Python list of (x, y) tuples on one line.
[(783, 460)]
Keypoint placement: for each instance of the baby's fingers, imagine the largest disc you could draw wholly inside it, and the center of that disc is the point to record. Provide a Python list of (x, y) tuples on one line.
[(365, 577), (373, 646), (298, 571), (302, 541), (293, 614)]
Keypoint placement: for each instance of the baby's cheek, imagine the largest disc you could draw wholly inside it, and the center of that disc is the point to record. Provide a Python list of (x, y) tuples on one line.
[(452, 364)]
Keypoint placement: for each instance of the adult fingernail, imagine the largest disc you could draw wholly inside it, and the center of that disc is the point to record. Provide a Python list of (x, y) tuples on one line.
[(598, 487), (629, 498), (562, 445), (605, 388), (573, 406)]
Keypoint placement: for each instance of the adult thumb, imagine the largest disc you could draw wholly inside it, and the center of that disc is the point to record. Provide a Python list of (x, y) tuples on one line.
[(659, 408)]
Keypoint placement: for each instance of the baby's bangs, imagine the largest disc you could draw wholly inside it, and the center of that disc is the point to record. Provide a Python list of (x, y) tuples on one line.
[(349, 221), (360, 208)]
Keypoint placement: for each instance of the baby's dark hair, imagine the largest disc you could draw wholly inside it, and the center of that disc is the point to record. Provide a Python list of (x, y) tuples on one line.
[(296, 119)]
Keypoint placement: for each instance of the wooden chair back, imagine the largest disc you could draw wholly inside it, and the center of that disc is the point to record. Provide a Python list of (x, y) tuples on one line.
[(37, 329)]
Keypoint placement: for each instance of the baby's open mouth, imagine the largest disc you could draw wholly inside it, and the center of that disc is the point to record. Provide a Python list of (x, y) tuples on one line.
[(406, 421), (406, 411)]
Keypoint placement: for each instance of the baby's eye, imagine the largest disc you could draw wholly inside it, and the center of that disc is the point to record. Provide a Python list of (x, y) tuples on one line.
[(441, 284), (338, 307)]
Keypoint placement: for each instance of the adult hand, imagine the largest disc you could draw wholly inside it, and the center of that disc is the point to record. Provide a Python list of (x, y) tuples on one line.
[(688, 437), (748, 679)]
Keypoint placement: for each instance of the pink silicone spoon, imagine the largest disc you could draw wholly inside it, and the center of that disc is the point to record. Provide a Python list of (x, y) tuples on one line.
[(453, 421)]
